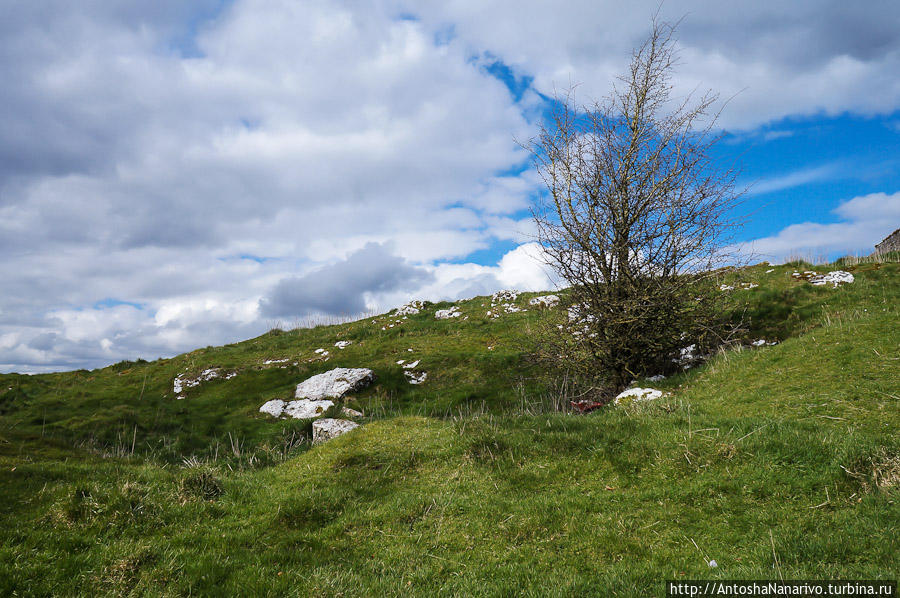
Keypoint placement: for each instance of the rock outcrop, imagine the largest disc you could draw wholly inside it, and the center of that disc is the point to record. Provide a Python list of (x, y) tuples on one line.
[(545, 301), (837, 278), (446, 314)]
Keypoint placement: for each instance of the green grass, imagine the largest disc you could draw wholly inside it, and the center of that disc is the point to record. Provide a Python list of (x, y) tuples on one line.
[(469, 484)]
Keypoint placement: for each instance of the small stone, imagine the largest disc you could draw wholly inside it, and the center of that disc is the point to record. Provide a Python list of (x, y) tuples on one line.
[(416, 378)]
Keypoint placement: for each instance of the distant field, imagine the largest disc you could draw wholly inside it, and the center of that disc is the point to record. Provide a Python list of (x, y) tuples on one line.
[(776, 461)]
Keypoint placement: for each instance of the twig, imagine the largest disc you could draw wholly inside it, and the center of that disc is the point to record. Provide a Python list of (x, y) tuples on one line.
[(883, 357), (753, 432), (775, 555)]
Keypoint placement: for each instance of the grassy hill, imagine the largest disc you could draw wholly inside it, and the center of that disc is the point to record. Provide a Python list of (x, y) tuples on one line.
[(777, 461)]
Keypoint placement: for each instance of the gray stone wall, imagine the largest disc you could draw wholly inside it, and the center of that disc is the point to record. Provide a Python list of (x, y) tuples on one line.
[(890, 243)]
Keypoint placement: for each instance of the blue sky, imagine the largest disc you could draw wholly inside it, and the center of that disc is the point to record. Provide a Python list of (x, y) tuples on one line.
[(180, 174)]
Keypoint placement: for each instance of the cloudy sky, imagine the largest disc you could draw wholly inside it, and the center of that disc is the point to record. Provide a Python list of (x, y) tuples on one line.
[(177, 174)]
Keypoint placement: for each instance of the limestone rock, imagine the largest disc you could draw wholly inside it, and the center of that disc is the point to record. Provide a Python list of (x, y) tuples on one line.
[(446, 314), (506, 296), (274, 408), (415, 377), (328, 428), (545, 301), (837, 278), (638, 394), (335, 383), (411, 308), (307, 408)]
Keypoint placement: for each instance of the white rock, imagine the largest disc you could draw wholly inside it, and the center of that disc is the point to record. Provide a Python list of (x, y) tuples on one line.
[(335, 383), (307, 408), (416, 378), (328, 428), (410, 309), (638, 394), (770, 271), (180, 383), (726, 287), (688, 357), (759, 343), (656, 378), (507, 296), (446, 314), (411, 365), (545, 301), (343, 344), (837, 278), (350, 412), (320, 351), (274, 407), (271, 361)]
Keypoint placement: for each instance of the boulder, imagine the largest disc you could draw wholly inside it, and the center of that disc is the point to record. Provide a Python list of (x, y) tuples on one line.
[(328, 428), (307, 408), (334, 384)]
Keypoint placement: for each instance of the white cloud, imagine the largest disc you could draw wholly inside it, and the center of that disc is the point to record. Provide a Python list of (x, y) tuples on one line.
[(772, 59), (795, 179), (866, 221)]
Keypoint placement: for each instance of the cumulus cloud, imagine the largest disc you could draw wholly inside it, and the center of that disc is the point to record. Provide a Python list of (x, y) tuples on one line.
[(341, 288), (865, 221), (186, 157), (771, 58)]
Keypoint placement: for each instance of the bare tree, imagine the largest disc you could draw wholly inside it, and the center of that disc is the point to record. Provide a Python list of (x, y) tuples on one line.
[(634, 218)]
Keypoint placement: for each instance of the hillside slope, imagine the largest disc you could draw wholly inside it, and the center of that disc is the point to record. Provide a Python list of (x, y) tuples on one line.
[(778, 461)]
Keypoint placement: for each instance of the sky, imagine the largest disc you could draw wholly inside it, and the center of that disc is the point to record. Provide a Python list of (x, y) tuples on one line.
[(176, 174)]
